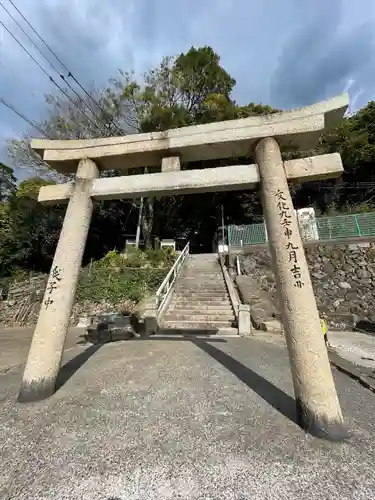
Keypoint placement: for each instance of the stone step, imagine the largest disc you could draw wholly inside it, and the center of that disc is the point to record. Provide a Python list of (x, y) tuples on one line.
[(190, 273), (186, 308), (202, 294), (199, 318), (197, 332), (202, 262), (201, 256), (193, 325), (205, 272), (185, 302), (214, 269), (210, 268), (197, 287), (200, 289), (202, 279)]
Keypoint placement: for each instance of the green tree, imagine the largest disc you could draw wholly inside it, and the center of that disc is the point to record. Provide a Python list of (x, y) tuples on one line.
[(7, 182), (29, 188), (192, 88)]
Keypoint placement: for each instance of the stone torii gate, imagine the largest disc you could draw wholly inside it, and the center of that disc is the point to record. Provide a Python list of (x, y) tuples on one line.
[(318, 408)]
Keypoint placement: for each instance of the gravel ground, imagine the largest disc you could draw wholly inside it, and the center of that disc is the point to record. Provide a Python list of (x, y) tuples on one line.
[(175, 419)]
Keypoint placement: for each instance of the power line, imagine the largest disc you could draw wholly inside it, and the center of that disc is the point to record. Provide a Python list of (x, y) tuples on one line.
[(18, 113), (37, 34), (53, 66), (48, 76), (70, 74), (28, 37)]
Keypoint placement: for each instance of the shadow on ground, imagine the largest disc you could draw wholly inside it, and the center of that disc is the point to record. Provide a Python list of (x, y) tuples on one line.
[(186, 332), (74, 364), (274, 396), (365, 327)]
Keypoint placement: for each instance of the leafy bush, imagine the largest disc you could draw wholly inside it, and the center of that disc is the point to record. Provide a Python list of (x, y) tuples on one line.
[(115, 286), (135, 258), (111, 259), (161, 257)]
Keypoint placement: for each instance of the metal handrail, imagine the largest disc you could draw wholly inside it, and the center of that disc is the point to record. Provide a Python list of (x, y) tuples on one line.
[(169, 280)]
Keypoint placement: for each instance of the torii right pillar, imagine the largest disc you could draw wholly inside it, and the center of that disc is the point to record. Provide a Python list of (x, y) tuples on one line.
[(318, 407)]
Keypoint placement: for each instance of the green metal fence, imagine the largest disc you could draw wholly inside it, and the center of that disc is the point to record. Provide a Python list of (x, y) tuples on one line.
[(254, 234), (329, 228)]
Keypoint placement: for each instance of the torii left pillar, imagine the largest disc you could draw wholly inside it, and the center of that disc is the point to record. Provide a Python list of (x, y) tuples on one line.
[(44, 360)]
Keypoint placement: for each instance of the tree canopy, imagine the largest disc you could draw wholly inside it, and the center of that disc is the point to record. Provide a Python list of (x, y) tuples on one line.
[(190, 88), (7, 182)]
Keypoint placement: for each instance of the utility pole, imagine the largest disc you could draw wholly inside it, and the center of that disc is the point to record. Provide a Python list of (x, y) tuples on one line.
[(138, 234)]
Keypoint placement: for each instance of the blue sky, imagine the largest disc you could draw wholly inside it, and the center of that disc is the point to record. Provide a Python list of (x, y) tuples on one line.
[(285, 53)]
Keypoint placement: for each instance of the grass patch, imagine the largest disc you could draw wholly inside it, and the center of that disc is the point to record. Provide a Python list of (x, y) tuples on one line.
[(114, 286)]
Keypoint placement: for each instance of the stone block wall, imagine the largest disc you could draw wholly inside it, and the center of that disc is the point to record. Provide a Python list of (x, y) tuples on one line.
[(342, 273)]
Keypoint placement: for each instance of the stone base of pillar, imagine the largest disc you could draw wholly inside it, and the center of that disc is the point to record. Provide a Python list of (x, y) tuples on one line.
[(319, 426), (37, 390)]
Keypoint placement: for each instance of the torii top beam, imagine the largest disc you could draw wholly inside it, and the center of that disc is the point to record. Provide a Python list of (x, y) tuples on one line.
[(233, 138)]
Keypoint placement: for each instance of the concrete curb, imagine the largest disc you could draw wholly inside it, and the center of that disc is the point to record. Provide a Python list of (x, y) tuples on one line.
[(351, 370)]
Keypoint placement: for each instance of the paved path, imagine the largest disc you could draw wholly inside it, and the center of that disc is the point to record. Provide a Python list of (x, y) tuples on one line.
[(15, 343), (179, 419), (356, 347)]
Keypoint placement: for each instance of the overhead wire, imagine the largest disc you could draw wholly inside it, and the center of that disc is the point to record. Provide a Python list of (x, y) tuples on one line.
[(70, 74), (27, 120), (46, 73), (53, 66), (21, 115)]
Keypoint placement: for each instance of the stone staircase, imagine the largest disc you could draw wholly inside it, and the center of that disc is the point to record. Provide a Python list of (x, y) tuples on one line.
[(200, 300)]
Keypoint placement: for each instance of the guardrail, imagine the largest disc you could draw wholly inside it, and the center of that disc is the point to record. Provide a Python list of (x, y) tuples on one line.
[(318, 228), (233, 295), (169, 281)]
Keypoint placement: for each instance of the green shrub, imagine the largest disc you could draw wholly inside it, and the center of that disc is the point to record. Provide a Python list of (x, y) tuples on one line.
[(112, 259), (116, 286), (124, 277), (133, 257)]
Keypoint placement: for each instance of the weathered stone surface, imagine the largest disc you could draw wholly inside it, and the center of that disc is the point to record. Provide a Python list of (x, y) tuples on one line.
[(344, 285), (343, 277), (362, 273)]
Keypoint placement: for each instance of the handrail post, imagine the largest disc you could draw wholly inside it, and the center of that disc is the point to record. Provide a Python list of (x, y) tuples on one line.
[(238, 266), (357, 224)]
